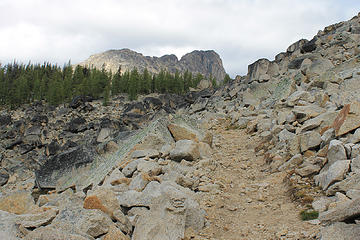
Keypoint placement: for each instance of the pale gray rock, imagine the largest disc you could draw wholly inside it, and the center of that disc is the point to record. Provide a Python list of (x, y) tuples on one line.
[(115, 175), (342, 212), (37, 219), (50, 232), (292, 163), (348, 149), (355, 164), (340, 231), (311, 124), (122, 221), (335, 173), (165, 150), (264, 125), (243, 122), (151, 168), (355, 138), (353, 194), (92, 222), (303, 113), (151, 153), (199, 105), (309, 140), (135, 213), (131, 167), (327, 136), (185, 149), (177, 205), (355, 151), (294, 98), (138, 183), (258, 68), (8, 229), (321, 204), (307, 169), (336, 152), (290, 118), (351, 182), (165, 220), (104, 135)]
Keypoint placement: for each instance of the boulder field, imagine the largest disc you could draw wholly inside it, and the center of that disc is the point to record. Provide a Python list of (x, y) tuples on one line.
[(238, 162)]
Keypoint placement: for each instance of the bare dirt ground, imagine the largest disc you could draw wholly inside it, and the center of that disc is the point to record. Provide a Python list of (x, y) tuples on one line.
[(253, 203)]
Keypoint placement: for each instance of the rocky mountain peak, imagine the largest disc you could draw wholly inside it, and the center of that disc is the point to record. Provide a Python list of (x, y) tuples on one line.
[(208, 63)]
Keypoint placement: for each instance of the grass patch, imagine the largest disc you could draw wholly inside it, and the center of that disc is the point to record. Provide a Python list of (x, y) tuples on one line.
[(306, 215), (232, 127)]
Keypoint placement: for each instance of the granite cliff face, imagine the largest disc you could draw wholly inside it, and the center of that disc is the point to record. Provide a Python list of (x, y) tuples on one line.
[(204, 62)]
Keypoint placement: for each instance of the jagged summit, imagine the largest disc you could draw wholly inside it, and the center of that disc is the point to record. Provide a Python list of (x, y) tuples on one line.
[(207, 62)]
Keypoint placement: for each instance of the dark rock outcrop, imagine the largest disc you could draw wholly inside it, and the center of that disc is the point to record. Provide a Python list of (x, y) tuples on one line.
[(53, 169)]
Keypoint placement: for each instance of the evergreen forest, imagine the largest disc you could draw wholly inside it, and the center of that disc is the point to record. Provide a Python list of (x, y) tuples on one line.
[(21, 84)]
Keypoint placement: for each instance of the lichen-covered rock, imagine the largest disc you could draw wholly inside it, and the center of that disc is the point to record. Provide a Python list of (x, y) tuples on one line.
[(102, 198)]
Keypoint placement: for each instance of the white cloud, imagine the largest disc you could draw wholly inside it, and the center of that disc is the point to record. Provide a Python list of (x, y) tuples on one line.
[(241, 31)]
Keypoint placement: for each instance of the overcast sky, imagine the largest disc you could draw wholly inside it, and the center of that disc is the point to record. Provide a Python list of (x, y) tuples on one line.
[(241, 31)]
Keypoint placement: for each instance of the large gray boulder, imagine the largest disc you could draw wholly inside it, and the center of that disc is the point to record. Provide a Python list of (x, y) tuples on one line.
[(172, 210), (8, 229), (336, 151), (165, 220), (90, 222), (185, 149), (335, 173), (309, 140), (346, 211), (340, 231), (52, 171)]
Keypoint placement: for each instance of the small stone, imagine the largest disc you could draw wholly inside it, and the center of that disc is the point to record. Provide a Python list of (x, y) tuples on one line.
[(336, 151), (115, 234), (139, 182), (151, 153)]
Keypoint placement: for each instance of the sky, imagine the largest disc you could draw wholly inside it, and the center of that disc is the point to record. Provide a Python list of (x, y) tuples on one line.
[(240, 31)]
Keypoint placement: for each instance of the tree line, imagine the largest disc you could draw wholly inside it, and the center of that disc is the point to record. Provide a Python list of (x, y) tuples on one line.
[(20, 84)]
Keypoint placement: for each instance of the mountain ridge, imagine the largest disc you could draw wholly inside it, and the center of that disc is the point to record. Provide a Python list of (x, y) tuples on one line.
[(205, 62)]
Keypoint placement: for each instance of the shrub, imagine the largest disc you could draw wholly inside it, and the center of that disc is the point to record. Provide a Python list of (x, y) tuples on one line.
[(309, 215)]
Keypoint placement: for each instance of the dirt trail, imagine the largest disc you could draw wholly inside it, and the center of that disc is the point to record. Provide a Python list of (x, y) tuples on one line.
[(253, 203)]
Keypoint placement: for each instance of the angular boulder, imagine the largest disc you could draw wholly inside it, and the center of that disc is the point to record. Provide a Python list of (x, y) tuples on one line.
[(185, 149), (65, 163), (336, 152), (103, 199), (335, 173), (181, 132), (347, 211), (309, 140), (20, 202), (340, 231), (348, 119)]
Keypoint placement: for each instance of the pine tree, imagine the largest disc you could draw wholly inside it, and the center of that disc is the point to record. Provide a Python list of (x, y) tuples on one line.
[(134, 84), (227, 78)]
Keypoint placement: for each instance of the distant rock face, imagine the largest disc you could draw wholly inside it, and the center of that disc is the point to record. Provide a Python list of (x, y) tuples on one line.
[(207, 63)]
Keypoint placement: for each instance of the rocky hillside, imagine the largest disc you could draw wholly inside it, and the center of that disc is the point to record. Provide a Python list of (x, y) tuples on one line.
[(242, 161), (208, 63)]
